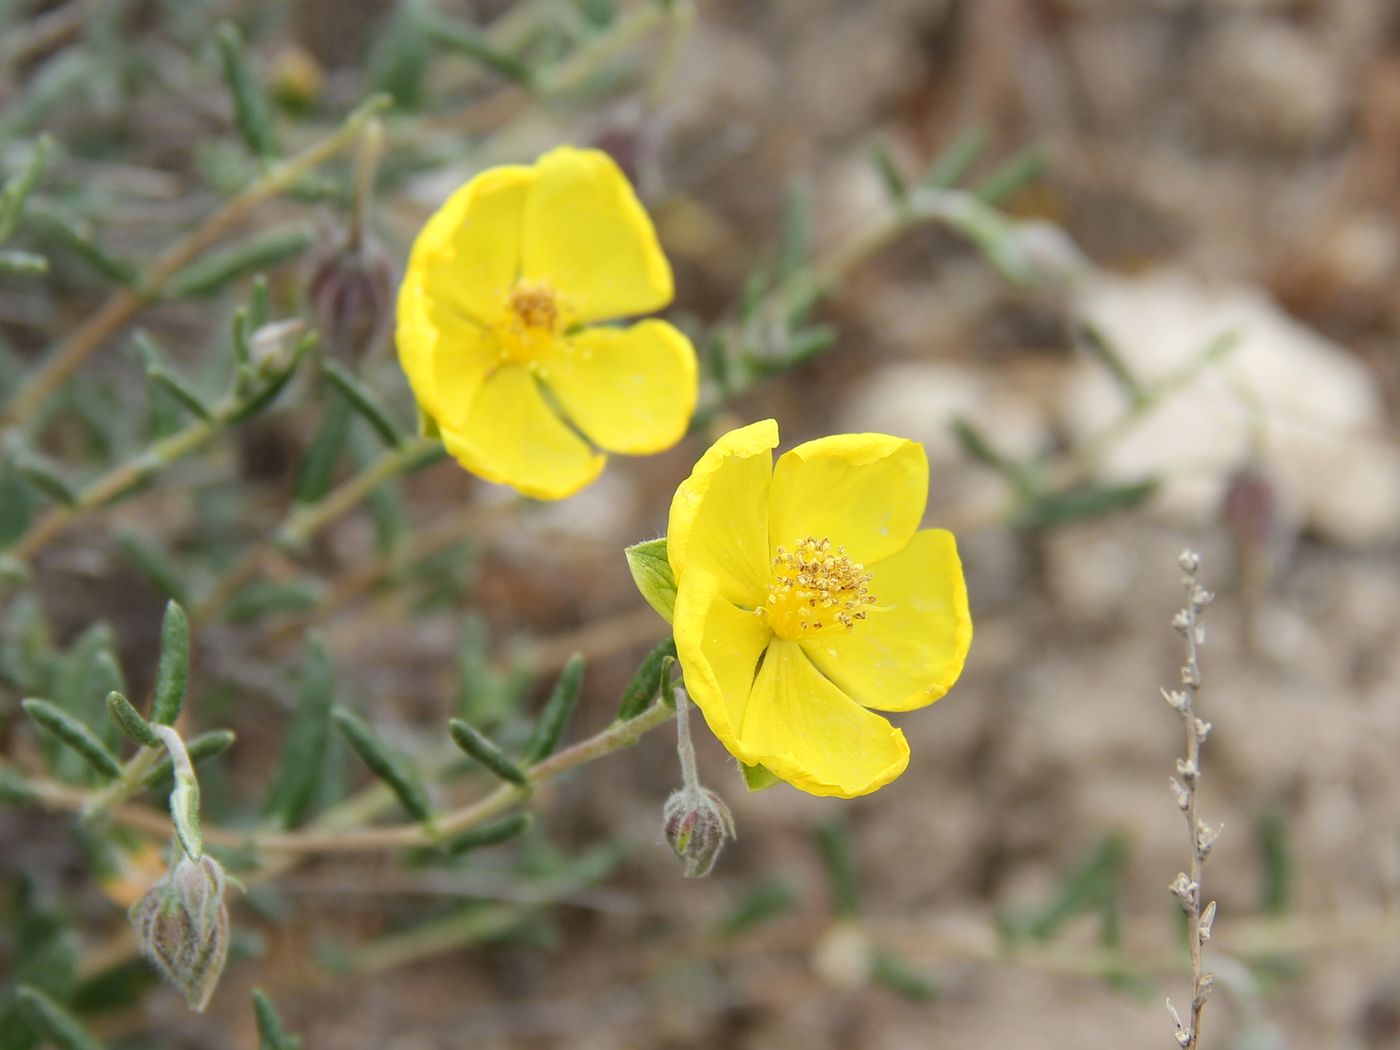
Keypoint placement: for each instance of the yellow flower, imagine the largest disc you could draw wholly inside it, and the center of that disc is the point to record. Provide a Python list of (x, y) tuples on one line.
[(498, 325), (807, 595)]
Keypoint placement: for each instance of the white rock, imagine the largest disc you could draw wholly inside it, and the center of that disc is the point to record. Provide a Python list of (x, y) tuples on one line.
[(1309, 410)]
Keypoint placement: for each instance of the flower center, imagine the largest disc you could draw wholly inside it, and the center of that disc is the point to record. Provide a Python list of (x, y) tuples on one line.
[(815, 588), (530, 322)]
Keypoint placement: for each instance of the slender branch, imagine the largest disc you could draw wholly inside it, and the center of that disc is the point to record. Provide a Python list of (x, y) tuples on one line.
[(125, 304), (53, 795)]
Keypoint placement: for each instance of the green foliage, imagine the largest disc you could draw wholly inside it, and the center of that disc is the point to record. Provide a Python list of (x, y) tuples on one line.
[(51, 1022), (492, 834), (646, 682), (834, 845), (388, 767), (304, 753), (485, 751), (554, 718), (173, 673), (271, 1033), (75, 734), (252, 111)]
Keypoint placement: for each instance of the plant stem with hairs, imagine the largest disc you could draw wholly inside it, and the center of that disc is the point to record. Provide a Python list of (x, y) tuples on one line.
[(1187, 887)]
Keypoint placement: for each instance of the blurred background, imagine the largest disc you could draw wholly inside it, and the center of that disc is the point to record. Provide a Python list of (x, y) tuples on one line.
[(1127, 267)]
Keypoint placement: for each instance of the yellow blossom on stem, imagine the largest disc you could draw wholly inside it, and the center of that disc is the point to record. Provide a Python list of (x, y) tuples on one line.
[(500, 333), (807, 595)]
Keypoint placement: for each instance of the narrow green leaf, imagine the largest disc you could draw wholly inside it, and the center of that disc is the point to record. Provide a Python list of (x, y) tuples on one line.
[(651, 572), (269, 597), (487, 753), (890, 178), (15, 789), (896, 975), (1107, 354), (327, 447), (1276, 864), (252, 113), (161, 777), (304, 752), (979, 447), (808, 342), (834, 844), (492, 834), (381, 763), (557, 711), (22, 264), (173, 671), (129, 720), (797, 231), (763, 902), (646, 683), (1055, 510), (77, 236), (46, 478), (953, 163), (79, 737), (1084, 889), (259, 251), (51, 1022), (992, 234), (467, 40), (16, 190), (153, 563), (179, 390), (271, 1034), (363, 402), (1025, 167)]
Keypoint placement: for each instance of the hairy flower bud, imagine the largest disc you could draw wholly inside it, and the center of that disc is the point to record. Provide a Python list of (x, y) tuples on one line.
[(350, 289), (697, 823), (182, 923)]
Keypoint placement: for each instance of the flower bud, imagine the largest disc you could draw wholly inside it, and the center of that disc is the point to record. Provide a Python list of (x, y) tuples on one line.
[(697, 823), (350, 290), (182, 924)]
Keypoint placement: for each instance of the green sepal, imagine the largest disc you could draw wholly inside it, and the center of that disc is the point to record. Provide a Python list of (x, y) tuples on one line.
[(756, 778), (651, 572)]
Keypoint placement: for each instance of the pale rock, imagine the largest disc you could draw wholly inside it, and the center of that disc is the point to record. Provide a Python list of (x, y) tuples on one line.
[(1310, 412)]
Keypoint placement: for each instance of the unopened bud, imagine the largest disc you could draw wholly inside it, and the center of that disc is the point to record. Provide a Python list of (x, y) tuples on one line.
[(273, 347), (1189, 561), (182, 924), (350, 290), (697, 823)]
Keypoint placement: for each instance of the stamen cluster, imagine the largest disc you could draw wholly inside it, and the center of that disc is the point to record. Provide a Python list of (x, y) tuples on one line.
[(816, 586)]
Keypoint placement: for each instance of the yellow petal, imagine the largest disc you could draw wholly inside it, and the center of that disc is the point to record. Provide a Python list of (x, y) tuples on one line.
[(718, 645), (910, 650), (512, 436), (865, 492), (628, 389), (469, 253), (719, 515), (814, 736), (588, 237), (445, 356)]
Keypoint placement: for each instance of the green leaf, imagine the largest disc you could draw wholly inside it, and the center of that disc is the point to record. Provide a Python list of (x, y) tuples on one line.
[(487, 752), (129, 720), (467, 40), (75, 734), (268, 597), (1023, 168), (153, 563), (173, 672), (491, 834), (1107, 354), (993, 234), (1055, 510), (896, 975), (271, 1034), (1276, 864), (179, 390), (259, 251), (953, 163), (763, 902), (557, 711), (184, 812), (304, 752), (834, 844), (252, 113), (16, 190), (363, 402), (388, 768), (161, 777), (651, 572), (979, 447), (15, 789), (646, 683), (51, 1022), (797, 231), (318, 468), (22, 264), (890, 178), (756, 778), (77, 236), (46, 478), (1084, 889)]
